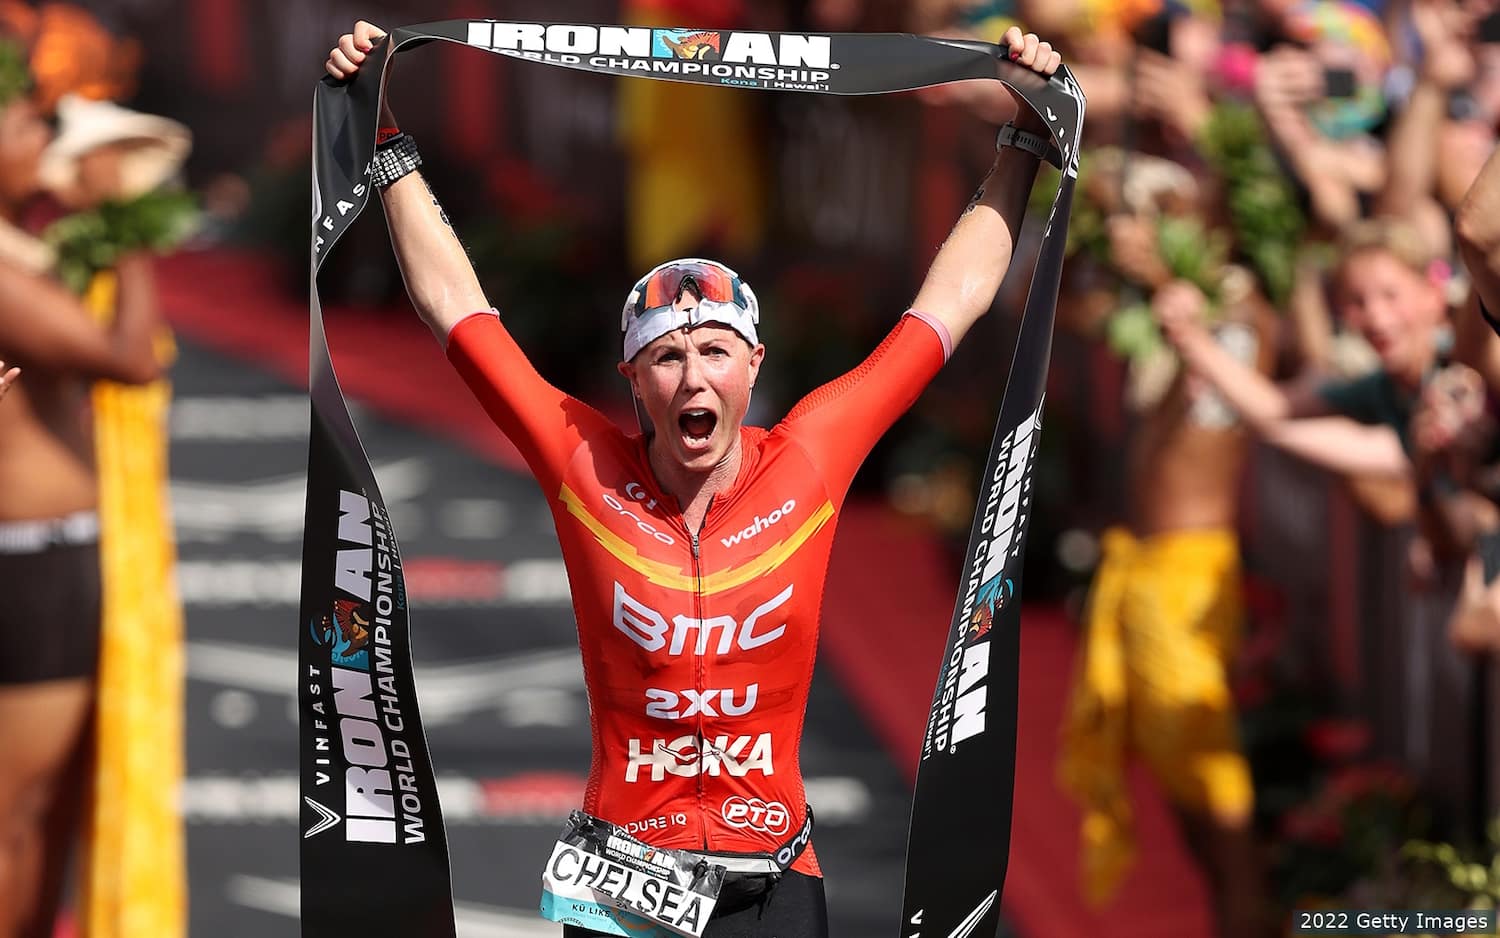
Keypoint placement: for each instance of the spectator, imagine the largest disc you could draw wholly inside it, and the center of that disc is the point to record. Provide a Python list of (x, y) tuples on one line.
[(1163, 623), (51, 502), (1385, 290), (1454, 443)]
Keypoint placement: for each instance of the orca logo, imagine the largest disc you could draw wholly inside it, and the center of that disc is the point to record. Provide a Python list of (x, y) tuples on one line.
[(786, 854)]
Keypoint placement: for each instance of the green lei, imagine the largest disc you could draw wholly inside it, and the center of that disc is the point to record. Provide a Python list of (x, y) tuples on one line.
[(1189, 250), (15, 75), (90, 241), (1266, 226), (1267, 222), (93, 240)]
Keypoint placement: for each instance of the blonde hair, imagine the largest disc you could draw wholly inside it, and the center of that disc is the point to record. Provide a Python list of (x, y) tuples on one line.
[(1391, 236)]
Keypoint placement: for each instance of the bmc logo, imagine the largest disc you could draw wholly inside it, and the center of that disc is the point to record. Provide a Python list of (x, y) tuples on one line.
[(760, 524), (648, 628), (768, 818), (689, 757)]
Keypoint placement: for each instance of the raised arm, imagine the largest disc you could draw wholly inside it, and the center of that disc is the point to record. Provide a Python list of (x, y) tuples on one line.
[(1478, 228), (1447, 65), (44, 326), (1258, 400), (968, 269), (1340, 445), (439, 277), (1285, 79)]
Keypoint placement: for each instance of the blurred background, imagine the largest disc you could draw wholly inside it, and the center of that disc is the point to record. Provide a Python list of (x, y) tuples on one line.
[(1243, 134)]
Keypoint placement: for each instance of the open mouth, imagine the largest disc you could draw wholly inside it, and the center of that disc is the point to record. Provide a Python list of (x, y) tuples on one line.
[(697, 425)]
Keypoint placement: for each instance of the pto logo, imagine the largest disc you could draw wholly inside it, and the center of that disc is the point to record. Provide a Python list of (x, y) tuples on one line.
[(696, 46), (766, 817)]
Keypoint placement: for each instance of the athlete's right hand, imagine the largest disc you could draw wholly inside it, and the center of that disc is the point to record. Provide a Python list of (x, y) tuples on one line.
[(345, 59)]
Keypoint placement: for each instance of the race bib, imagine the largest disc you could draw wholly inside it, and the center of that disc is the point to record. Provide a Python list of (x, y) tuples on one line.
[(601, 879)]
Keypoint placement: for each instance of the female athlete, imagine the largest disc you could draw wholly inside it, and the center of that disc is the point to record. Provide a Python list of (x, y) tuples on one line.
[(696, 550)]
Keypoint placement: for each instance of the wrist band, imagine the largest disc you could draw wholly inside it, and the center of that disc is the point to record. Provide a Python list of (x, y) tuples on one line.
[(397, 157), (1012, 136)]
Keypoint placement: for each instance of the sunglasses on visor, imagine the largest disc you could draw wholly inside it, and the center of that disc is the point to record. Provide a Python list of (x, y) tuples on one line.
[(709, 282)]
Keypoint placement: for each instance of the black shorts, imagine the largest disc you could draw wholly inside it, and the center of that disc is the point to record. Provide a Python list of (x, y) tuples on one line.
[(49, 613), (794, 908)]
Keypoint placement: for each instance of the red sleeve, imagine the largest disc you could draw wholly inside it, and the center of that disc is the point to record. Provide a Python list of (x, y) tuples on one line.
[(545, 424), (839, 423)]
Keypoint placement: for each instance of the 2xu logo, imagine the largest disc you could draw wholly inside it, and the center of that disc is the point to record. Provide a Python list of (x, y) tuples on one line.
[(765, 817), (670, 705)]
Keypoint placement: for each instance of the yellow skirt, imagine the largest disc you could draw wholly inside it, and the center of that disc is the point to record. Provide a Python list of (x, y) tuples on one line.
[(134, 874), (1162, 624)]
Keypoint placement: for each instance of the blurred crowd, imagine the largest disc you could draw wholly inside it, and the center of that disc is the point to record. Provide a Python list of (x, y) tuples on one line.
[(1284, 230), (1284, 238)]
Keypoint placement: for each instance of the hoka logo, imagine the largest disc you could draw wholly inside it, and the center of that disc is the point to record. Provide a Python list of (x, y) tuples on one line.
[(760, 524)]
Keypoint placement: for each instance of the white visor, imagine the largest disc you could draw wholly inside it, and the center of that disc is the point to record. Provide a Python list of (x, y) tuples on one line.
[(729, 301)]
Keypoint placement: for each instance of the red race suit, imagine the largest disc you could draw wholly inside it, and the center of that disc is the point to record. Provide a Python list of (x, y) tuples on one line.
[(698, 647)]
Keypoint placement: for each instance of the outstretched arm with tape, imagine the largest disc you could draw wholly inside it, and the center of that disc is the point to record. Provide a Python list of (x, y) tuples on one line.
[(439, 276)]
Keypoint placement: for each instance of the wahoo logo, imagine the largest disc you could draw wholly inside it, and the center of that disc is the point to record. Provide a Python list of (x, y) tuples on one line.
[(760, 524), (784, 50)]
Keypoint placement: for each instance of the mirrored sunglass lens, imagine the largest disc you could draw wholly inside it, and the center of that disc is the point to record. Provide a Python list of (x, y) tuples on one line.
[(665, 286)]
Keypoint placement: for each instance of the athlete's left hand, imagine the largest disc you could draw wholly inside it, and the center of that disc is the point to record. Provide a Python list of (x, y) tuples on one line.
[(1029, 51)]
